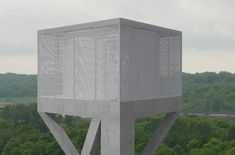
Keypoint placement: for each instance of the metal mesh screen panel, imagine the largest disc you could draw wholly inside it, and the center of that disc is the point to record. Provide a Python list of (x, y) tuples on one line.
[(150, 63), (82, 64), (127, 61)]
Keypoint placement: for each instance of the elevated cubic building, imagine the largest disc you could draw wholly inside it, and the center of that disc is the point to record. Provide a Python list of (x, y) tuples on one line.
[(111, 71)]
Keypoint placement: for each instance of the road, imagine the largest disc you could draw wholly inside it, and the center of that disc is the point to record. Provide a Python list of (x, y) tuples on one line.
[(218, 115)]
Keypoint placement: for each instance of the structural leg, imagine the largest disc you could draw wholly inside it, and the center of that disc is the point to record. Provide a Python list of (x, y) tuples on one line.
[(59, 134), (160, 134), (117, 136), (115, 133), (127, 132), (92, 141)]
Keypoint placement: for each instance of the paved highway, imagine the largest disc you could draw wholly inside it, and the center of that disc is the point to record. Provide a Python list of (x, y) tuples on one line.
[(222, 115)]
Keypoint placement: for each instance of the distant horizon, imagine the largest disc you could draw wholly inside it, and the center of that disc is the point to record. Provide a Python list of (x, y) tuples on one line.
[(182, 72)]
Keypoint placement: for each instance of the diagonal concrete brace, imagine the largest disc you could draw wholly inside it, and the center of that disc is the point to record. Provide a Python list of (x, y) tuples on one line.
[(59, 134), (160, 134), (93, 140)]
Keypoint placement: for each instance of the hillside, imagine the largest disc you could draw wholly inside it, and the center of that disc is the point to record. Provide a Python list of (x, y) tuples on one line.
[(202, 92), (23, 132), (209, 92), (18, 88)]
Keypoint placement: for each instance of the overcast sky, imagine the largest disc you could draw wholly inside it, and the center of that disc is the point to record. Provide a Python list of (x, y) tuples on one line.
[(208, 27)]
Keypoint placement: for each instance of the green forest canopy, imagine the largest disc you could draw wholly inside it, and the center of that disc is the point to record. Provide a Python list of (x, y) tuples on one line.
[(22, 132)]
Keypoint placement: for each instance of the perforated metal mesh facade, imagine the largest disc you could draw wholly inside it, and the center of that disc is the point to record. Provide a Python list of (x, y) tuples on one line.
[(150, 63), (82, 64), (117, 61)]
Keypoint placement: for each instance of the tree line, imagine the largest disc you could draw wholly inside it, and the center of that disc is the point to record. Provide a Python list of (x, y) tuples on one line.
[(17, 85), (22, 132), (209, 92), (202, 92)]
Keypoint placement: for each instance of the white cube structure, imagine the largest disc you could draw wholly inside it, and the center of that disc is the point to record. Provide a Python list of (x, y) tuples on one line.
[(111, 71)]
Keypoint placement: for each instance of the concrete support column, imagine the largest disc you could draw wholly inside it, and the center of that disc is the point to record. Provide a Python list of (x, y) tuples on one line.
[(117, 136), (110, 135), (127, 141)]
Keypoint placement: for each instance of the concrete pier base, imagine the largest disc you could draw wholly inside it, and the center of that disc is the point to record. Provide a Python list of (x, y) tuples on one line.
[(112, 125)]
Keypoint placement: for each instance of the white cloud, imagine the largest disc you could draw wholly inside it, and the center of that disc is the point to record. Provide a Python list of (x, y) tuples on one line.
[(206, 25), (197, 60), (18, 64)]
